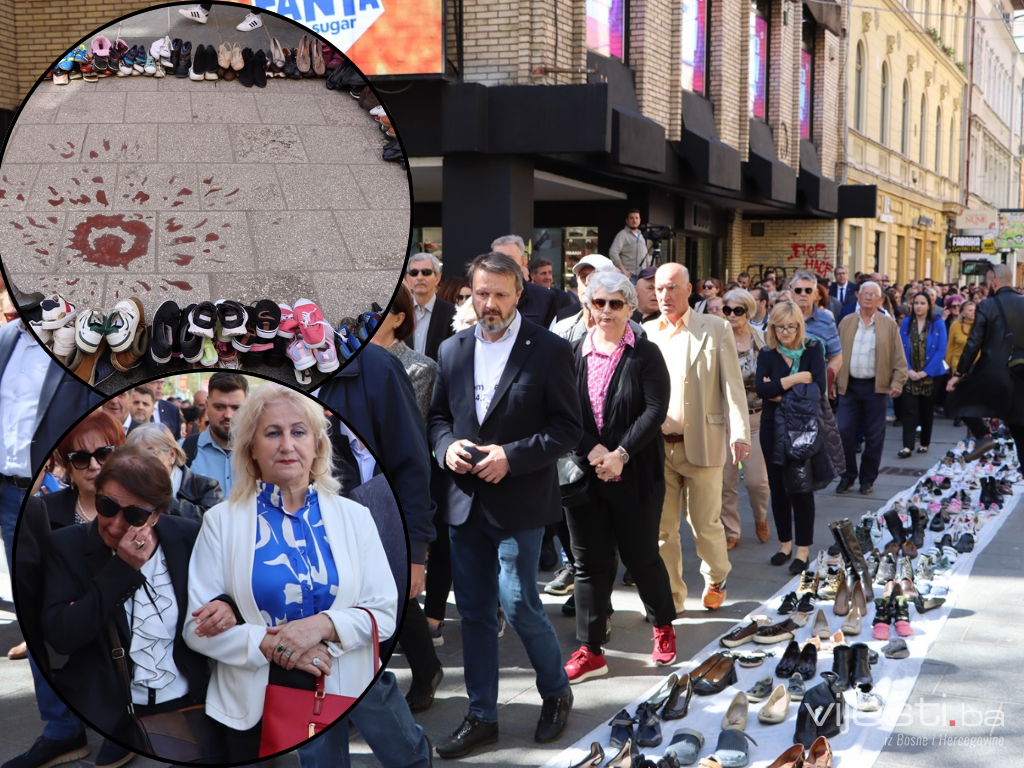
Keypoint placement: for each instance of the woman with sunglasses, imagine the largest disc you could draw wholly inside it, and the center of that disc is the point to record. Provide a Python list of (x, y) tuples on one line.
[(395, 327), (455, 290), (624, 387), (739, 308), (789, 359), (193, 493), (82, 452), (708, 288), (126, 573)]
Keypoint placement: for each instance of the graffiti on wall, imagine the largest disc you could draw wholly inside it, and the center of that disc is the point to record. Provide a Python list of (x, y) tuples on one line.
[(813, 258)]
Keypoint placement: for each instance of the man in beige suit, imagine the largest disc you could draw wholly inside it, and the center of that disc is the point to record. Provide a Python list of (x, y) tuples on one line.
[(707, 403), (874, 368)]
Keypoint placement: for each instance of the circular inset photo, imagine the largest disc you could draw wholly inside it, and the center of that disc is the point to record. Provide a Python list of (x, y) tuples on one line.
[(194, 187), (217, 598)]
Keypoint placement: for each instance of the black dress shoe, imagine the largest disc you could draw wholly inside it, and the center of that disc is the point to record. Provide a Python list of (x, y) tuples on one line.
[(554, 716), (787, 665), (471, 734), (419, 698), (866, 489), (51, 752), (679, 701), (844, 486)]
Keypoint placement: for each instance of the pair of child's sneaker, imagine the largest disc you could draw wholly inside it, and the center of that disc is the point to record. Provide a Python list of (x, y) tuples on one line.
[(312, 340), (123, 331)]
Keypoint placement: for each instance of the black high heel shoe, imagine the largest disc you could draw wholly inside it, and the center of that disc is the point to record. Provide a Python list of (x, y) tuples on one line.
[(664, 693), (628, 756), (593, 760), (679, 700)]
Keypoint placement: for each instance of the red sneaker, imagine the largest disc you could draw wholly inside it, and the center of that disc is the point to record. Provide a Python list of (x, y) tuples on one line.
[(583, 665), (664, 645)]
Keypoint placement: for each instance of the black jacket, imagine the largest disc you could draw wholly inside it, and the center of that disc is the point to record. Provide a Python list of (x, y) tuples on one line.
[(987, 388), (60, 507), (538, 305), (440, 327), (534, 415), (635, 407), (87, 587), (33, 543), (196, 495)]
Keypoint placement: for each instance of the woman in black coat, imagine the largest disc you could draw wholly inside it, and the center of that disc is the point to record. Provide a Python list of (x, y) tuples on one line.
[(789, 359), (624, 388), (194, 494), (127, 570)]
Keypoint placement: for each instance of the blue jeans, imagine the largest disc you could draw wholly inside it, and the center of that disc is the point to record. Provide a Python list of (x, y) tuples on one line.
[(384, 720), (488, 564), (61, 722), (862, 411), (10, 508)]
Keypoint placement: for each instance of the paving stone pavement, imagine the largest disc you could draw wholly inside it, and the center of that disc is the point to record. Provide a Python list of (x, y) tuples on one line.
[(191, 191), (975, 664)]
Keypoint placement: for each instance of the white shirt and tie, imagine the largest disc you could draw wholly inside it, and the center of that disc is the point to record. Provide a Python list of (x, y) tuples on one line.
[(423, 315)]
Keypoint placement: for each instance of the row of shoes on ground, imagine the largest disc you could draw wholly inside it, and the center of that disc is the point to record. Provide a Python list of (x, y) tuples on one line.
[(347, 76)]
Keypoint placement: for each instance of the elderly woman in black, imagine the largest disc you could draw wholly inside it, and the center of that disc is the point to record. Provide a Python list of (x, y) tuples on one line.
[(193, 493), (624, 388), (127, 572)]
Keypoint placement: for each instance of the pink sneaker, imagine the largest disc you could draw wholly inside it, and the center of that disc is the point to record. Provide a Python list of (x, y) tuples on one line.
[(584, 665), (289, 325), (327, 355), (311, 324), (664, 645), (300, 355)]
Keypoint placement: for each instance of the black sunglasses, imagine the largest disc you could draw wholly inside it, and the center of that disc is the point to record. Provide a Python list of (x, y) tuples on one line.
[(615, 304), (798, 291), (418, 272), (738, 311), (708, 285), (133, 515), (82, 459)]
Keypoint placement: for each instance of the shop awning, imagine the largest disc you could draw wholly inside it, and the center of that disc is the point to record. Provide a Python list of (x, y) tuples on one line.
[(764, 173), (858, 201), (828, 13), (813, 190), (711, 161)]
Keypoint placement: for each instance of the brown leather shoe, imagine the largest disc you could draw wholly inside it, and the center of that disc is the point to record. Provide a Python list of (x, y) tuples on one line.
[(18, 652), (791, 758), (763, 531), (820, 754), (731, 543)]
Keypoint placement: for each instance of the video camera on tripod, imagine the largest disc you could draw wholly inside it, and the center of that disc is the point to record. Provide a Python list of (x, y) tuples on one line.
[(655, 233)]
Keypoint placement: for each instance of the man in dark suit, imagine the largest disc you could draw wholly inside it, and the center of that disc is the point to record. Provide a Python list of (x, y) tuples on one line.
[(38, 402), (536, 304), (842, 289), (542, 273), (501, 417), (433, 314), (165, 412)]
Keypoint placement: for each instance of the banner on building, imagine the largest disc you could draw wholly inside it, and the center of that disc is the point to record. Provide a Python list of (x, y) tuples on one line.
[(1011, 229), (381, 37), (964, 244), (978, 218)]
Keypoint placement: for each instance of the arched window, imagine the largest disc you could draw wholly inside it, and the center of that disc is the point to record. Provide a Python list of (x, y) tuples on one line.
[(905, 120), (938, 140), (923, 127), (884, 129), (859, 90)]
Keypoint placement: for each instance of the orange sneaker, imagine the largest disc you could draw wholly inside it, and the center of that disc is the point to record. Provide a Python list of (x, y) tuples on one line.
[(714, 595)]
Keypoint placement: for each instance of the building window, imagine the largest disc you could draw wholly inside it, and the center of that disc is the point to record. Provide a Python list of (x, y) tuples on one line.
[(858, 90), (938, 140), (923, 127), (695, 45), (810, 33), (905, 120), (759, 10), (606, 27), (954, 150), (884, 132)]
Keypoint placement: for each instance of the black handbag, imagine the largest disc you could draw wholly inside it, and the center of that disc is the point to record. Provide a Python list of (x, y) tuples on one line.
[(1015, 361), (573, 482)]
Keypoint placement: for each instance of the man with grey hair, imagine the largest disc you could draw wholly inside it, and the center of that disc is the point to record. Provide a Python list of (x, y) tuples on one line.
[(818, 323), (982, 384), (536, 304), (433, 315), (505, 409), (873, 369)]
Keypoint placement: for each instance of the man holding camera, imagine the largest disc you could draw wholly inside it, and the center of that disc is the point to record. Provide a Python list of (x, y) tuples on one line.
[(629, 248)]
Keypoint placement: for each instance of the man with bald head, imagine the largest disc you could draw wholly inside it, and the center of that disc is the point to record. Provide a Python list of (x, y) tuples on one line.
[(982, 384), (707, 409)]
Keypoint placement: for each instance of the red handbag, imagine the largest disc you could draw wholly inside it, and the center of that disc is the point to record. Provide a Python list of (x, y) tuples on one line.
[(292, 715)]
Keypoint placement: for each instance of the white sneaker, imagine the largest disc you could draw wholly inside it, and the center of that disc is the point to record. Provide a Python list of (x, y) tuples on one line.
[(92, 328), (251, 22), (121, 326), (45, 335), (867, 699), (195, 13), (57, 312), (64, 341)]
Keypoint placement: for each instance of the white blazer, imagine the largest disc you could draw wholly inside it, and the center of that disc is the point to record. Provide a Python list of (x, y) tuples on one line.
[(222, 563)]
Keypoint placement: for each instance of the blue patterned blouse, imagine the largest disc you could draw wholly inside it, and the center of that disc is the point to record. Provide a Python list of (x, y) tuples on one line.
[(293, 574)]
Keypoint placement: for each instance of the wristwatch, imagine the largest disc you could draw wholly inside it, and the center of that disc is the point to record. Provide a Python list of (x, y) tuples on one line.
[(623, 455)]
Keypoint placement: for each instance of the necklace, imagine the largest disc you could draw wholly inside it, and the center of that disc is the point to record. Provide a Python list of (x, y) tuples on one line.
[(81, 510)]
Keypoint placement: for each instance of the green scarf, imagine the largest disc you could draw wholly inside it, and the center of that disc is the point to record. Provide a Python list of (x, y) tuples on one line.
[(794, 355)]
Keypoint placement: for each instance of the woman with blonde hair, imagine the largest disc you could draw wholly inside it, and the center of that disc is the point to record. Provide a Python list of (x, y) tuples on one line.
[(194, 494), (789, 359), (738, 309), (304, 565)]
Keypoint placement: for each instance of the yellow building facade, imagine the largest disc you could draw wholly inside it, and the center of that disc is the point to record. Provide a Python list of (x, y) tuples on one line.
[(907, 85)]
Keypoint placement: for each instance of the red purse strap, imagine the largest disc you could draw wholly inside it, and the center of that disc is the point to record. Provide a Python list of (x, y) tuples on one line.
[(376, 660)]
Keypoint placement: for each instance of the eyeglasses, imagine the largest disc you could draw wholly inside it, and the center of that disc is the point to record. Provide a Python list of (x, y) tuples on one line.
[(615, 304), (133, 515), (418, 272), (82, 459), (738, 311), (786, 328), (462, 297), (798, 291)]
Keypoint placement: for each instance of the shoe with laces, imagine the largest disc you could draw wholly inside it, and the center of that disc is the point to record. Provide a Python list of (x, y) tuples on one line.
[(664, 645), (209, 358), (164, 332), (121, 326), (300, 355), (57, 312), (714, 595), (91, 329), (327, 356), (64, 341), (232, 317), (789, 604), (311, 323), (250, 22), (564, 581), (584, 665), (288, 325), (202, 320), (195, 13), (49, 752)]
